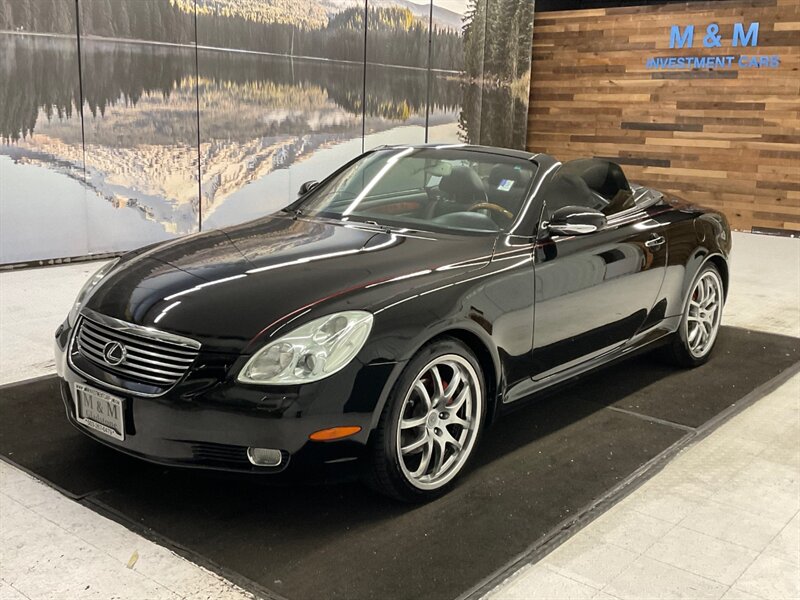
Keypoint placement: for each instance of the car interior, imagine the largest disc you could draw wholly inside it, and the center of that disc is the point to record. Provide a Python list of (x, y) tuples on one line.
[(492, 200)]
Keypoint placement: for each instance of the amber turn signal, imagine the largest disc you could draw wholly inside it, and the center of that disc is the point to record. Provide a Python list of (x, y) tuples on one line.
[(334, 433)]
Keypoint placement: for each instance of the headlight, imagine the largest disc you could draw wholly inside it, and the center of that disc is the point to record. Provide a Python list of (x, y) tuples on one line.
[(88, 287), (309, 353)]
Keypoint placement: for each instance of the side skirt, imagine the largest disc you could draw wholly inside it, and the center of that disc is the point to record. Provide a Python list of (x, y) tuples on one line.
[(641, 342)]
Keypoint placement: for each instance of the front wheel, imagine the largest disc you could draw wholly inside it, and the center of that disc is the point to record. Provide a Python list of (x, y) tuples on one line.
[(430, 425), (692, 344)]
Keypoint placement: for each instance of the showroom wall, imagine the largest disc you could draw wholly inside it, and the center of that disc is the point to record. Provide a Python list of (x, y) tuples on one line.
[(718, 124), (124, 122)]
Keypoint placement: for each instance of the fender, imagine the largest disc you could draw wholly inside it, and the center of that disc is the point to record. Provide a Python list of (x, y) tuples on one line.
[(700, 257), (466, 324), (456, 327)]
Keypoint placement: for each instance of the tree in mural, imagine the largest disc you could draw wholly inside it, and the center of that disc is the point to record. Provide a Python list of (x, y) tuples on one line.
[(42, 74), (475, 38), (56, 16), (497, 39), (283, 27), (497, 55), (492, 50)]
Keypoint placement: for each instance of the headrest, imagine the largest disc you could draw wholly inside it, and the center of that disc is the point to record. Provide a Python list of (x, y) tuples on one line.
[(501, 172), (463, 184)]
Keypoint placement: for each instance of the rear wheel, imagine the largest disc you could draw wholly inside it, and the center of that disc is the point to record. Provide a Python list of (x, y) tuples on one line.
[(692, 344), (430, 425)]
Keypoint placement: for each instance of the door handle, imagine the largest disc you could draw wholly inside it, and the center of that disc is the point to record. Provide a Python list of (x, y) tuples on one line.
[(655, 242)]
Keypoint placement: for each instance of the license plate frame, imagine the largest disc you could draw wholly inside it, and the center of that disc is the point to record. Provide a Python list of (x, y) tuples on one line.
[(99, 411)]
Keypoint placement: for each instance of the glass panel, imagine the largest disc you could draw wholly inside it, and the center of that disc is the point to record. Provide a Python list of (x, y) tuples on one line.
[(42, 199), (496, 38), (140, 119), (447, 72), (285, 111), (396, 73), (279, 97)]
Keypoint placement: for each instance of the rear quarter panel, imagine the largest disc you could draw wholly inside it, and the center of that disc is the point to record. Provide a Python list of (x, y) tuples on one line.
[(694, 235)]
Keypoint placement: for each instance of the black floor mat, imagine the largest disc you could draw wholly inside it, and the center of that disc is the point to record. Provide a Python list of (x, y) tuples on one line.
[(533, 470)]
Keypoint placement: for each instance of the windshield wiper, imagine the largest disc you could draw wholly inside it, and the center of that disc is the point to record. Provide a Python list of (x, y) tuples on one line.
[(391, 228), (295, 212), (384, 228)]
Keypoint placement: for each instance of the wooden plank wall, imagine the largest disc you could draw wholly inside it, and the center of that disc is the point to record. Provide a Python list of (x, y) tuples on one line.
[(727, 138)]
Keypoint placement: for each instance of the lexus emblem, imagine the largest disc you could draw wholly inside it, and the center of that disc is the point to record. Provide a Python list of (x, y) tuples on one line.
[(114, 353)]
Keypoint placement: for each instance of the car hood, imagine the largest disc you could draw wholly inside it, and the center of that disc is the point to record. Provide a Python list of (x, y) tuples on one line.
[(229, 288)]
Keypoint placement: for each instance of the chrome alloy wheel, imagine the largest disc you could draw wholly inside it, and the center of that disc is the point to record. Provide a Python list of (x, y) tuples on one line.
[(439, 421), (703, 314)]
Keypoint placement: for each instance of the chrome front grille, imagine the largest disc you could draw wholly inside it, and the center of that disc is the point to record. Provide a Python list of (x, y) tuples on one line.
[(133, 352)]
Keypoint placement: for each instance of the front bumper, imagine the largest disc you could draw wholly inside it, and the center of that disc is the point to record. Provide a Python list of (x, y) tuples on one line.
[(210, 423)]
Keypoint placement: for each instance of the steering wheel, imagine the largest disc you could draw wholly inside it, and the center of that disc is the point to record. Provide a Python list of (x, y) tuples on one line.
[(491, 206)]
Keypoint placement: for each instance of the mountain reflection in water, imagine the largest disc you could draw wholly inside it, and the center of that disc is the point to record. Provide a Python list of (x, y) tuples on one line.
[(259, 115)]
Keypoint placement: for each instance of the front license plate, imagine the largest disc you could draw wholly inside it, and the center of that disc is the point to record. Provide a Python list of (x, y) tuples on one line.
[(100, 411)]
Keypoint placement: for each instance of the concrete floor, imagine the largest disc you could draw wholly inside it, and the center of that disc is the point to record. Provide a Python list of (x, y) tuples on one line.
[(33, 302), (720, 521), (54, 548)]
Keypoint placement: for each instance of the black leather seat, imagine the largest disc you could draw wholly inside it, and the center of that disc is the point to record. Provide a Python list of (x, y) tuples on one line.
[(506, 187), (463, 185)]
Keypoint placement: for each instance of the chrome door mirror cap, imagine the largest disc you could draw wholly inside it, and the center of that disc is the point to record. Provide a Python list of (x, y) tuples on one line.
[(576, 220)]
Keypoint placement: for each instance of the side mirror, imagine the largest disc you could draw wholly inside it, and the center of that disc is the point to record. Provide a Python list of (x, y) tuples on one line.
[(576, 220), (307, 187)]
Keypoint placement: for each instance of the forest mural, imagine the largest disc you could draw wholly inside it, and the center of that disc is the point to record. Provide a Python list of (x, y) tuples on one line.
[(124, 122)]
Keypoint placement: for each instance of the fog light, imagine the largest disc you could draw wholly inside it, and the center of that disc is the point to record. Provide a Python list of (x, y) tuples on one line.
[(264, 457)]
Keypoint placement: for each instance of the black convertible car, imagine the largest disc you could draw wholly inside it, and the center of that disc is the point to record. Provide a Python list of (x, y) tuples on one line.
[(378, 324)]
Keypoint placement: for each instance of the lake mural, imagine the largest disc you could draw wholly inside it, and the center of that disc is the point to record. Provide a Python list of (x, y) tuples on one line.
[(125, 122)]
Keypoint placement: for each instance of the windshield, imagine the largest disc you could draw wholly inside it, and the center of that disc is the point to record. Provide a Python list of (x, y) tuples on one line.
[(426, 188)]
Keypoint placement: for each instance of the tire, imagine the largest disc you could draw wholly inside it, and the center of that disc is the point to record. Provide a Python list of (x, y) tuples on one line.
[(428, 432), (693, 343)]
